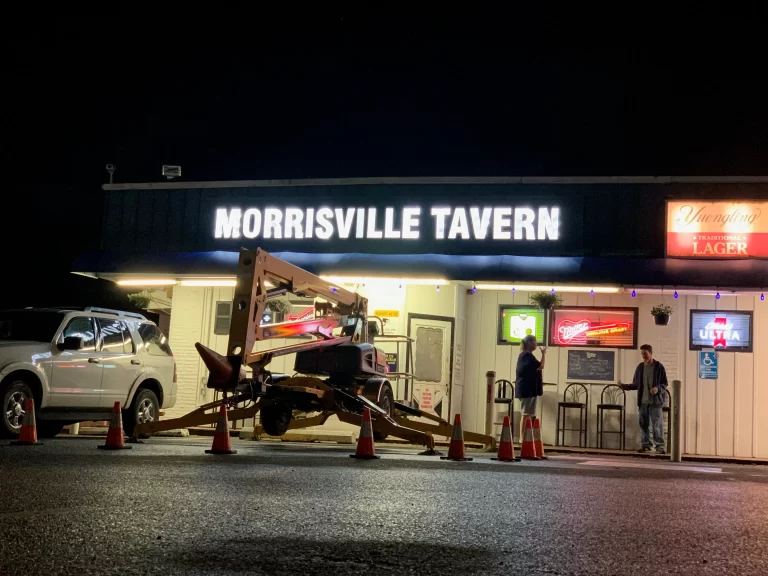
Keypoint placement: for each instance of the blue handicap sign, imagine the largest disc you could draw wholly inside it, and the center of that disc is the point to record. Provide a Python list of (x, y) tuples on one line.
[(708, 365)]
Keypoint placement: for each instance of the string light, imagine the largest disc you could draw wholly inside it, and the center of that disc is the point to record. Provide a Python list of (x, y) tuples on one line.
[(513, 289), (762, 297), (474, 288), (676, 294), (717, 295), (592, 292), (553, 291), (438, 287), (634, 293)]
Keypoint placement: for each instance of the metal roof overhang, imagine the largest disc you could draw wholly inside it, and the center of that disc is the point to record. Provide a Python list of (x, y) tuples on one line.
[(737, 274)]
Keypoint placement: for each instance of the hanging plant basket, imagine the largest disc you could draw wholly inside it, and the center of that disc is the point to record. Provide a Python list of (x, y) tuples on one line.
[(546, 300), (279, 306), (140, 299), (661, 314)]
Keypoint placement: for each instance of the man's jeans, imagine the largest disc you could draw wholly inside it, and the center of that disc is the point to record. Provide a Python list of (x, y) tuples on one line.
[(652, 415)]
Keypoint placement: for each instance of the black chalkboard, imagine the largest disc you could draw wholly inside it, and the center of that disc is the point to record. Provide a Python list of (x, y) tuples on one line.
[(599, 365)]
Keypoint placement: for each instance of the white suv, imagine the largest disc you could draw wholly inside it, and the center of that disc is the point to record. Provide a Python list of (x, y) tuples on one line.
[(76, 363)]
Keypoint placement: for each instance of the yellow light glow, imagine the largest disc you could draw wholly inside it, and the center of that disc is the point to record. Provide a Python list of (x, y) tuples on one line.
[(209, 282), (378, 281), (146, 282), (549, 287)]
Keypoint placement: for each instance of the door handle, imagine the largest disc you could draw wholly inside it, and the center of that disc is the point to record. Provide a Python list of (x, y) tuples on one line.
[(94, 360), (136, 362)]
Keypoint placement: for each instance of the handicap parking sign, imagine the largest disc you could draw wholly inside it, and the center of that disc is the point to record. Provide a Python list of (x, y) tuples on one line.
[(708, 365)]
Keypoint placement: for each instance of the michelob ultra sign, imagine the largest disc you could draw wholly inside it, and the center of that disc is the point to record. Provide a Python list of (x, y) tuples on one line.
[(725, 330), (726, 230)]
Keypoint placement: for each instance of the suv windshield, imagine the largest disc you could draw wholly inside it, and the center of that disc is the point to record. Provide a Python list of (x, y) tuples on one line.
[(29, 325)]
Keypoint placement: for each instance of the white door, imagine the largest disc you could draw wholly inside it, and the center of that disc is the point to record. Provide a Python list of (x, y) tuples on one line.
[(432, 365), (120, 363), (76, 374)]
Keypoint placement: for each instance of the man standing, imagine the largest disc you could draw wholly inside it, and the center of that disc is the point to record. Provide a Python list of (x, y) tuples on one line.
[(650, 381)]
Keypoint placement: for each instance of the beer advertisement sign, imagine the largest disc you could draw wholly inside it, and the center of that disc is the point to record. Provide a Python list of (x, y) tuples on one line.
[(723, 330), (517, 322), (578, 326), (718, 230)]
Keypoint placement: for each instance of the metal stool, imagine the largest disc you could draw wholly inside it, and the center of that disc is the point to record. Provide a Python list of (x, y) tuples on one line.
[(572, 398), (612, 398), (502, 397)]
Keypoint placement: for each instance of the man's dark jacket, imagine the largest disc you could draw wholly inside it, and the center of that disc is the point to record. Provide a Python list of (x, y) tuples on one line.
[(659, 381)]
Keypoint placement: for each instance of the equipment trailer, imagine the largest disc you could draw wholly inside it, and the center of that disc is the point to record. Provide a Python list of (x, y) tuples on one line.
[(339, 374)]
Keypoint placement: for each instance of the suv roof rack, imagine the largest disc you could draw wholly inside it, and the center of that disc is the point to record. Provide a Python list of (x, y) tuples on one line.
[(115, 312)]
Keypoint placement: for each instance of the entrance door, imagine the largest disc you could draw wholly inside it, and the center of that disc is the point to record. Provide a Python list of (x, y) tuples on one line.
[(432, 346)]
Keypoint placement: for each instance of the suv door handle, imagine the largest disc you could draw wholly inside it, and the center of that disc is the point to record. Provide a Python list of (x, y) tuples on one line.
[(94, 360), (136, 362)]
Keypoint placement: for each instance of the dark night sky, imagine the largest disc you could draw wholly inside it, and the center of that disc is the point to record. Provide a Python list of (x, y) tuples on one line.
[(387, 92)]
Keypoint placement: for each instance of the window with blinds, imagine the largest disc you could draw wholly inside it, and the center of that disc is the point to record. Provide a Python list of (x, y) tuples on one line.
[(223, 318)]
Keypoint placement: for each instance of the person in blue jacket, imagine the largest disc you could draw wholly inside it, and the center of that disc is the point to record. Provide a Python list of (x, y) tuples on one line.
[(529, 382)]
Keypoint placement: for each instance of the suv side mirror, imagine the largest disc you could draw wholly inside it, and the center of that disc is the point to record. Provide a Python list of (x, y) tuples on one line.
[(71, 343)]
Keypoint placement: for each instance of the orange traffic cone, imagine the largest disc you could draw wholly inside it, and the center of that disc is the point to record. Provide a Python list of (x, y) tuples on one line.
[(28, 436), (528, 452), (456, 447), (506, 448), (115, 435), (365, 448), (222, 444), (537, 443)]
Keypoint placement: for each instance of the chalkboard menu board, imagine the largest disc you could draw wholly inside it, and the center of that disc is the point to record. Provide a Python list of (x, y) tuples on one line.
[(592, 365)]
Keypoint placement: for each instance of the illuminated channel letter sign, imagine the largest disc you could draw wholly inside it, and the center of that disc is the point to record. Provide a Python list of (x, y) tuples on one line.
[(717, 229), (725, 330), (520, 223), (517, 322), (594, 327)]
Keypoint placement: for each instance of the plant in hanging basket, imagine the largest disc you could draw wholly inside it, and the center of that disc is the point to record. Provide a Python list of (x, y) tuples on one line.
[(279, 306), (661, 314), (140, 299), (546, 300)]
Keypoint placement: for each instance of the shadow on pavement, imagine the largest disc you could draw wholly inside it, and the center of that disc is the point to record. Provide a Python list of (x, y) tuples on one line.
[(303, 556)]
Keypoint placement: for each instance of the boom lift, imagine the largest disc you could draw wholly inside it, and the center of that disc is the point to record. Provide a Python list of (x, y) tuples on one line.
[(337, 373)]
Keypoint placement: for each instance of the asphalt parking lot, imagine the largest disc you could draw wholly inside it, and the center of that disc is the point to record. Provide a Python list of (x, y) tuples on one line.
[(165, 507)]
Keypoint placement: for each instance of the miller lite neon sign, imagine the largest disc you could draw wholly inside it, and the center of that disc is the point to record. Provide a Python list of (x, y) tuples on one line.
[(587, 326), (578, 331)]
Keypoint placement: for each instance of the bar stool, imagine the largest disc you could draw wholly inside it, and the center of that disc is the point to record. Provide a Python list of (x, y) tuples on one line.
[(612, 398), (575, 396), (505, 394)]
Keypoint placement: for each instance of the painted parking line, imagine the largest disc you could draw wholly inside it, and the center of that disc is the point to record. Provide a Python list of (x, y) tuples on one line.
[(652, 466)]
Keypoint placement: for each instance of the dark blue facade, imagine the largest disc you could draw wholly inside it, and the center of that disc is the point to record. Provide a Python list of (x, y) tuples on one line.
[(608, 233)]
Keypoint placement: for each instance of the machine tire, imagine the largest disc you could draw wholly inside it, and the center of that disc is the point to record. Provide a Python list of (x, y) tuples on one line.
[(15, 389), (276, 417), (136, 412), (386, 402), (49, 428)]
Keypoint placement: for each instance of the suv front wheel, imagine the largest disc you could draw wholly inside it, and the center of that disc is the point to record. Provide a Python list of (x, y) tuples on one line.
[(144, 408), (13, 395)]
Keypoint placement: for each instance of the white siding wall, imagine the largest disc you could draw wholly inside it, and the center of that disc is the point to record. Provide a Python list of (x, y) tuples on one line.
[(192, 318), (724, 417), (186, 329)]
